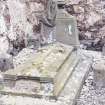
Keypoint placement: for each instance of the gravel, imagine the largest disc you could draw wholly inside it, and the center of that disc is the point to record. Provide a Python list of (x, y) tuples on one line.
[(90, 94)]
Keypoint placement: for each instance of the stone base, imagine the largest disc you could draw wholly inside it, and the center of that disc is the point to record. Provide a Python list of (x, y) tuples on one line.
[(49, 68), (69, 94)]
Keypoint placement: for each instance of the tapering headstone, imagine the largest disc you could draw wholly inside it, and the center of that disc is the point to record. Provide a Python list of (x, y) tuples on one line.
[(66, 27)]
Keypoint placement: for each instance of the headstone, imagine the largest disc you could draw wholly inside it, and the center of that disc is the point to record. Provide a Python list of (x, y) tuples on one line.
[(48, 34), (66, 27)]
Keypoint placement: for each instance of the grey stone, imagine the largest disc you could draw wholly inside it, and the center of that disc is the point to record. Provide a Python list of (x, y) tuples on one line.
[(66, 28), (56, 62), (68, 96)]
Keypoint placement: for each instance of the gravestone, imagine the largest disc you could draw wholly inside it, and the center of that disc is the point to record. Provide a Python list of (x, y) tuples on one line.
[(66, 26), (65, 29)]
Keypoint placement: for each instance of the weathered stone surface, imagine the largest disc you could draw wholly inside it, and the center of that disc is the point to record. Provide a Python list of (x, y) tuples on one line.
[(67, 96), (47, 59), (48, 65), (66, 29), (22, 57)]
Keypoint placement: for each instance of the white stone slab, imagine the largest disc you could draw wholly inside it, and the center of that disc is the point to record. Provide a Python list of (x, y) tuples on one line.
[(68, 95)]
